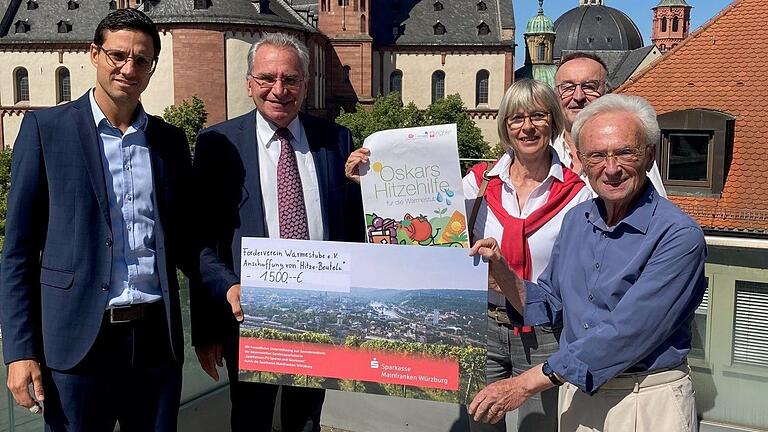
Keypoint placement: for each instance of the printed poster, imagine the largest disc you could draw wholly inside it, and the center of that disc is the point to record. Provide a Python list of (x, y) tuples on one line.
[(398, 321), (412, 190)]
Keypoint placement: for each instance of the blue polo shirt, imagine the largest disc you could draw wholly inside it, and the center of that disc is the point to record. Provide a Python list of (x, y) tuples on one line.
[(626, 293)]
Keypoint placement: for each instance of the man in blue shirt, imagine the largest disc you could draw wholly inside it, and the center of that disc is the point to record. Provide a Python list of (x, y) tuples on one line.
[(97, 224), (625, 276)]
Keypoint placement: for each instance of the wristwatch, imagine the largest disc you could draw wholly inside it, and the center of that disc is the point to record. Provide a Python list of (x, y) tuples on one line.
[(556, 379)]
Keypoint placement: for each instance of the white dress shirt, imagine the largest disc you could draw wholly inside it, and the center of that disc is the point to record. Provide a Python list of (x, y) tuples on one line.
[(543, 239), (269, 153), (561, 147)]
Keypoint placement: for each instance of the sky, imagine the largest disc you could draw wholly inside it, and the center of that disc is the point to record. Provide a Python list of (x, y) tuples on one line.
[(638, 10)]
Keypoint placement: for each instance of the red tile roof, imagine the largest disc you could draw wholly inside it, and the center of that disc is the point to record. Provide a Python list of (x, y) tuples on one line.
[(722, 67)]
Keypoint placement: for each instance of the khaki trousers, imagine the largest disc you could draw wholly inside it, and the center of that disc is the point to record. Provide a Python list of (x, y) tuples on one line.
[(658, 402)]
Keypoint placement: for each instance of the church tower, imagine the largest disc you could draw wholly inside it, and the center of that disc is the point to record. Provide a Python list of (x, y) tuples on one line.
[(347, 24), (539, 43), (540, 38), (671, 23)]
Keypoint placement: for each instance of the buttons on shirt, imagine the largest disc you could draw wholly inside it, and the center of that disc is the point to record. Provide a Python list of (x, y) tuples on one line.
[(591, 297), (108, 242), (105, 286), (129, 227), (128, 197), (586, 326), (597, 265)]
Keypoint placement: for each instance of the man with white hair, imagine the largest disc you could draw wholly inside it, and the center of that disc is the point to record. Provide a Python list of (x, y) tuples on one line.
[(625, 275), (273, 172)]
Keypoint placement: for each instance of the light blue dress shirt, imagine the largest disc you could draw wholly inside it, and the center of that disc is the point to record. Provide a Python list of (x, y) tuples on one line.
[(127, 166), (626, 293)]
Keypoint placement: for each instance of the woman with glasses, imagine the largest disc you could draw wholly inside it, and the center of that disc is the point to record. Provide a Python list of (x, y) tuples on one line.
[(520, 200)]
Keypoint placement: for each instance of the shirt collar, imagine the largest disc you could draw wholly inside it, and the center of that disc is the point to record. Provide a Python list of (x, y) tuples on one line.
[(265, 129), (140, 123), (501, 169), (639, 217)]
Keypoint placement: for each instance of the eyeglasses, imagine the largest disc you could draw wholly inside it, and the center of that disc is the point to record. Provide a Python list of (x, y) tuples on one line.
[(623, 156), (538, 118), (118, 59), (590, 88), (266, 81)]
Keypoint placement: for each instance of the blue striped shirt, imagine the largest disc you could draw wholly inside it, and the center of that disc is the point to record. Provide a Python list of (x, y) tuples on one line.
[(127, 166)]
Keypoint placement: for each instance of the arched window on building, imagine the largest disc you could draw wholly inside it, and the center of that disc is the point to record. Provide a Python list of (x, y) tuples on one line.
[(481, 87), (347, 72), (63, 85), (675, 24), (21, 85), (363, 28), (438, 86), (542, 51), (354, 5), (113, 5), (396, 82), (663, 24)]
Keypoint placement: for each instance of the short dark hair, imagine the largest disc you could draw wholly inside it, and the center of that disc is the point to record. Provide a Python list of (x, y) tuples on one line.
[(128, 19), (580, 54)]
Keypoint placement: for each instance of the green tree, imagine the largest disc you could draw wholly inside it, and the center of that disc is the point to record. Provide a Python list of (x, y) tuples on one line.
[(388, 112), (5, 184), (452, 110), (190, 116)]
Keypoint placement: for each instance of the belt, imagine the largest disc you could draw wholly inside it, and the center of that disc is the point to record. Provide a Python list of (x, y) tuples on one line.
[(640, 380), (129, 313), (499, 314)]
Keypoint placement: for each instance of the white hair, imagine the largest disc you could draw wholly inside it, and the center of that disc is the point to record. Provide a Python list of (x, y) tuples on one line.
[(634, 105), (281, 40)]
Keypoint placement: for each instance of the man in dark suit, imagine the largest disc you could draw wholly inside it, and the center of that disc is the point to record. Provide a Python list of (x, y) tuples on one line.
[(89, 300), (273, 172)]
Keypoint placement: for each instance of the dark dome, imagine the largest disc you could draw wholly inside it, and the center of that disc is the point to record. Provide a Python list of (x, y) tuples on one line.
[(590, 28)]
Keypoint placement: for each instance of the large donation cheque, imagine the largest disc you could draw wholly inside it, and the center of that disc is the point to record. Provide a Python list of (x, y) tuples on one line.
[(382, 319)]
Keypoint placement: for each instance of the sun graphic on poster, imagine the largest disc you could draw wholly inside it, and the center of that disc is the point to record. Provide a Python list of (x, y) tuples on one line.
[(377, 166)]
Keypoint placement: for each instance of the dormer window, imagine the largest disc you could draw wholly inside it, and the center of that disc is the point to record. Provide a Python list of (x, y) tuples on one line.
[(202, 4), (32, 4), (481, 6), (73, 4), (65, 26), (438, 6), (695, 148), (483, 29), (23, 26), (439, 29)]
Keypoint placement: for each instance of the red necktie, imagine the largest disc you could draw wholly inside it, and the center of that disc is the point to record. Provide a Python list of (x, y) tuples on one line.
[(290, 194)]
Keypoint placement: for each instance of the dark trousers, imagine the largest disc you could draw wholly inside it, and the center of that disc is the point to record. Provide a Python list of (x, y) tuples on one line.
[(510, 355), (253, 404), (129, 377)]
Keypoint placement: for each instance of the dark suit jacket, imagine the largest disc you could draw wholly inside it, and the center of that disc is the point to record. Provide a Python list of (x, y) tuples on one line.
[(57, 257), (230, 200)]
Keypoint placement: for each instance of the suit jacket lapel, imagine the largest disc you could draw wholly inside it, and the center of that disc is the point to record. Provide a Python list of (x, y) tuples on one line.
[(319, 156), (158, 173), (89, 143), (249, 152)]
